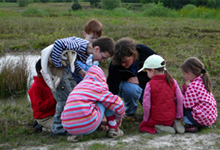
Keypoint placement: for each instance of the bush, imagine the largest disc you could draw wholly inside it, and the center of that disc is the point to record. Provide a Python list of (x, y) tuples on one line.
[(110, 4), (202, 12), (22, 3), (189, 7), (157, 10), (94, 2), (186, 10), (31, 11), (76, 6), (122, 12)]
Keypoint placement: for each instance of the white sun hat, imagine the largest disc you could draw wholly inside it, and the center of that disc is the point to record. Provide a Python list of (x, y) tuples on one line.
[(153, 61)]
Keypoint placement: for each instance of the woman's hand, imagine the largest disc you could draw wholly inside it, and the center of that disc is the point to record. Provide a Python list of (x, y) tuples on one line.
[(133, 80)]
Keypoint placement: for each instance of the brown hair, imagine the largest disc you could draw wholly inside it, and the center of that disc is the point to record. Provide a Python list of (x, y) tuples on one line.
[(106, 44), (93, 26), (195, 66), (124, 47)]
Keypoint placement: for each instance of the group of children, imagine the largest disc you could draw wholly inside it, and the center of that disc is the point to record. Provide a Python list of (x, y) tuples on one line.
[(82, 100)]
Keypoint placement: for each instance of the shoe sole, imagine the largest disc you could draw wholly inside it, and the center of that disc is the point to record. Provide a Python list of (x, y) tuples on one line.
[(162, 129), (114, 134), (179, 127)]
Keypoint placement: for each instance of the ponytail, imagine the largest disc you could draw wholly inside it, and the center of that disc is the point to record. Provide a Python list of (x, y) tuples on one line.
[(169, 78), (206, 81)]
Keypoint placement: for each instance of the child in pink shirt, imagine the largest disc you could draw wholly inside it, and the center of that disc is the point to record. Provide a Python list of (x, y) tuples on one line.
[(160, 110), (200, 109)]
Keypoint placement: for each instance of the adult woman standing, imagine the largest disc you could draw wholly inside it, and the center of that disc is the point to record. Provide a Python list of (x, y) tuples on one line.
[(123, 78)]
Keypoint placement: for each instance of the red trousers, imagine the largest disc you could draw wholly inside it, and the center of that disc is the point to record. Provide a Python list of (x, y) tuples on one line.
[(149, 126)]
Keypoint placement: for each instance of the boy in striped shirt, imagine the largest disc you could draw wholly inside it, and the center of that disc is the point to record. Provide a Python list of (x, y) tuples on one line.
[(102, 48)]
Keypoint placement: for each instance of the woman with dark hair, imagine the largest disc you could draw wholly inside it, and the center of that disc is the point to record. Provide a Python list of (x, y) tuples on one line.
[(123, 78)]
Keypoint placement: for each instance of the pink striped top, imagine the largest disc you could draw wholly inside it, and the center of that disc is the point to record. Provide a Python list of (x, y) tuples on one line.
[(81, 115)]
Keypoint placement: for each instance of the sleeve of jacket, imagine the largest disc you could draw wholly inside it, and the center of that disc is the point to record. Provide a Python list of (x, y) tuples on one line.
[(147, 102), (179, 101), (190, 99), (113, 102), (38, 101), (144, 52), (49, 103), (114, 79)]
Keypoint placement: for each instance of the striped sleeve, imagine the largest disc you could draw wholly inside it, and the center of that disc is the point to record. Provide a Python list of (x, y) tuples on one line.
[(113, 102), (72, 43)]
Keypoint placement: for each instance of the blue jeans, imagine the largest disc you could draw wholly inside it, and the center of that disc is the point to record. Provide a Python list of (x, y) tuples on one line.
[(105, 111), (130, 93), (188, 118), (63, 90)]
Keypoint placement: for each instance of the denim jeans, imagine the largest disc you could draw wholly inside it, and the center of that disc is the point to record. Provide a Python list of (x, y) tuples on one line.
[(189, 118), (105, 111), (61, 94), (130, 93)]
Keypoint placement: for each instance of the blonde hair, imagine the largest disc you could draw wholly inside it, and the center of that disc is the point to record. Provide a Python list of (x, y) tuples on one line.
[(195, 66)]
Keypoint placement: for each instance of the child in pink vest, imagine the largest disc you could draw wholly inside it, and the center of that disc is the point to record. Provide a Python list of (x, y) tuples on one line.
[(161, 113)]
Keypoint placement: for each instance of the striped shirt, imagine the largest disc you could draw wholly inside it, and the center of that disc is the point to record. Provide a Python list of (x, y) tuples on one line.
[(71, 43), (81, 115)]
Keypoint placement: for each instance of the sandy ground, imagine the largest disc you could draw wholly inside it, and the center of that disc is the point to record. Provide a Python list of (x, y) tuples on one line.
[(187, 141)]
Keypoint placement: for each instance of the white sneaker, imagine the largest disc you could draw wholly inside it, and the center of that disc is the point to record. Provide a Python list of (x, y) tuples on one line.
[(46, 129), (72, 138), (177, 125), (113, 133), (162, 129)]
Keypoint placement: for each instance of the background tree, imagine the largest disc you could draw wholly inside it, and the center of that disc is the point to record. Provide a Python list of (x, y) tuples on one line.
[(94, 2), (110, 4)]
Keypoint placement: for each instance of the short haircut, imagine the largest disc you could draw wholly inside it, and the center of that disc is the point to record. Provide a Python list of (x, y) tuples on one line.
[(38, 65), (124, 47), (106, 44), (93, 26)]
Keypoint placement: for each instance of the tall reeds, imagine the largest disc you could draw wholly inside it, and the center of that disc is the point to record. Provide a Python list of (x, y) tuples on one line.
[(13, 77)]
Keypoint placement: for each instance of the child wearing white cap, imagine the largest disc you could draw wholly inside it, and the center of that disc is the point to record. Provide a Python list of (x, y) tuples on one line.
[(161, 113)]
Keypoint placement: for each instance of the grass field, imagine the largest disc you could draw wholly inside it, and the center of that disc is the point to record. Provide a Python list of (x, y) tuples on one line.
[(175, 39)]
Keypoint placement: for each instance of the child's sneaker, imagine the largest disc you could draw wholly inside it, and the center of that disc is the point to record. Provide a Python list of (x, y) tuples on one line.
[(162, 129), (38, 128), (46, 129), (35, 124), (191, 128), (113, 133), (177, 125), (72, 138)]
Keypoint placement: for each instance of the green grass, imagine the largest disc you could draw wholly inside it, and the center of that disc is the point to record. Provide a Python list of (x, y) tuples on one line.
[(175, 39)]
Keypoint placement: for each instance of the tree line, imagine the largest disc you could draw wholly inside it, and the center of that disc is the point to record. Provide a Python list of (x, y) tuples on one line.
[(173, 4)]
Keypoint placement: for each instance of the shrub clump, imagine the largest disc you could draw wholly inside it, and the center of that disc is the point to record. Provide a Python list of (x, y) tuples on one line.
[(110, 4), (76, 6), (157, 10), (32, 11)]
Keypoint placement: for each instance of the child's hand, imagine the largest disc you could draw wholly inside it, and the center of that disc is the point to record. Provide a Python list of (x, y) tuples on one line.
[(104, 124), (119, 121), (187, 83), (82, 73)]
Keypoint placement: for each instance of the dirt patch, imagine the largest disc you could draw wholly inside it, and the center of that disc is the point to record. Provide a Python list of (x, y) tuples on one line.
[(148, 141)]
